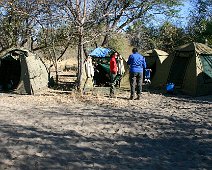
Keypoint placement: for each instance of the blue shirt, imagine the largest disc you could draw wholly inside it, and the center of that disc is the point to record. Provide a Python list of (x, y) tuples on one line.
[(137, 63)]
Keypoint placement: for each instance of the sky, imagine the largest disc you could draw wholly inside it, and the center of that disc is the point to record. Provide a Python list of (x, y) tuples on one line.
[(183, 16), (184, 13)]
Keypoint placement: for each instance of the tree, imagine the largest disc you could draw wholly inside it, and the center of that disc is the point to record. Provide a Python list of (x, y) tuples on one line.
[(120, 43), (165, 37), (142, 37), (109, 17), (35, 24), (77, 12), (118, 14), (199, 23), (18, 21), (171, 37), (207, 33), (85, 19)]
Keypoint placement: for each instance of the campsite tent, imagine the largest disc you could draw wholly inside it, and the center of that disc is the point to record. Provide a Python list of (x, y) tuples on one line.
[(159, 62), (191, 70), (101, 60), (22, 72), (101, 52)]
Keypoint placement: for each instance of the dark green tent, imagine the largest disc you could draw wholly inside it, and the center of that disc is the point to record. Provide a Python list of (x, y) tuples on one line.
[(191, 70), (22, 72), (159, 62)]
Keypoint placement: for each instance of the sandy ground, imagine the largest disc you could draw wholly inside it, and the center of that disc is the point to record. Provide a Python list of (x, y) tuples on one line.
[(63, 131)]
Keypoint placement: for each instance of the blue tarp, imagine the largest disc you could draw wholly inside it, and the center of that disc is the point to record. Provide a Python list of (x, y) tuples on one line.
[(100, 52)]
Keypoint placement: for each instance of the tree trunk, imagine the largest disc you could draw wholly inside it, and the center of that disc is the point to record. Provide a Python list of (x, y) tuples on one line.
[(80, 61), (85, 50), (105, 41), (56, 74)]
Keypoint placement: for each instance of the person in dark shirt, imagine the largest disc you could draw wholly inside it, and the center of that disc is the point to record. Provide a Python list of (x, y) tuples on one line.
[(137, 63)]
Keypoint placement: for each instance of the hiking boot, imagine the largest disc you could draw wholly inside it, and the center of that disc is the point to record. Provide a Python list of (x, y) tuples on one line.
[(112, 96), (139, 97), (132, 97)]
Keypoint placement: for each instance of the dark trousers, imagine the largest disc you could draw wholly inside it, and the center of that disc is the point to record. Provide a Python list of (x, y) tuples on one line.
[(112, 84), (136, 83)]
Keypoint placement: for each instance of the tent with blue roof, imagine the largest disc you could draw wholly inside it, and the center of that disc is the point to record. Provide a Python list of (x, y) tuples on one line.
[(101, 52), (101, 60)]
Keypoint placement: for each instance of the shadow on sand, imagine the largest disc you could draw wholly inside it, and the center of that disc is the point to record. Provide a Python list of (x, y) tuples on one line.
[(177, 145)]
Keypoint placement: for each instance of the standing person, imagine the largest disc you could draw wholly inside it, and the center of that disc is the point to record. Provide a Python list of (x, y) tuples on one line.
[(113, 73), (121, 69), (120, 65), (137, 63), (89, 70)]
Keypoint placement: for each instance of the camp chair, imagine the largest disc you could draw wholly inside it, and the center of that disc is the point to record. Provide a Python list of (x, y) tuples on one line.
[(147, 76)]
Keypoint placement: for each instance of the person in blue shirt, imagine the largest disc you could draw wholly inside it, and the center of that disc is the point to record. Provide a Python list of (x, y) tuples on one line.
[(137, 63)]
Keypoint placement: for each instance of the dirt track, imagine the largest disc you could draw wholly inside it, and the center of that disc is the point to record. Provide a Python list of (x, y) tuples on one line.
[(56, 131)]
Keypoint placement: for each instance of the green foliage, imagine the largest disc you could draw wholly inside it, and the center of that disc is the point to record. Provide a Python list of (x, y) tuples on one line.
[(166, 37), (207, 33), (171, 37), (140, 36), (12, 29), (199, 26), (120, 43)]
